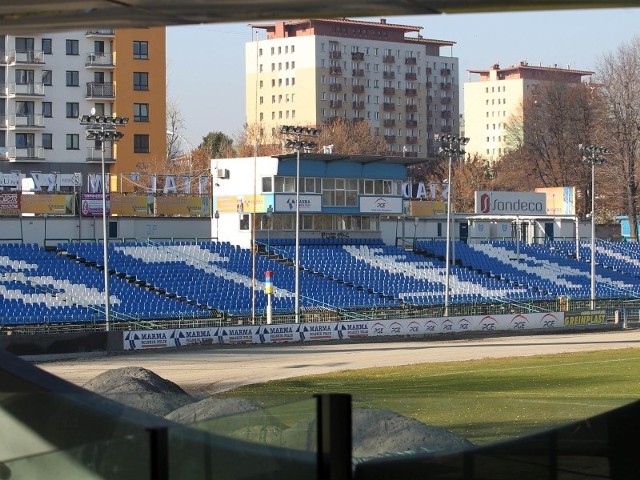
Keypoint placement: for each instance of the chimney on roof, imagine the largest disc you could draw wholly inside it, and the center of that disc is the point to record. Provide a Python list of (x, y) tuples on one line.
[(383, 20)]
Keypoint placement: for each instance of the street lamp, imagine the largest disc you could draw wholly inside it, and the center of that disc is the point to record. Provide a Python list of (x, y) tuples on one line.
[(296, 143), (593, 155), (101, 129), (450, 145)]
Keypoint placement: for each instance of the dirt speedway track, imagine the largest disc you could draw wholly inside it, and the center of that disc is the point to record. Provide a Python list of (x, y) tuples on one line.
[(208, 370)]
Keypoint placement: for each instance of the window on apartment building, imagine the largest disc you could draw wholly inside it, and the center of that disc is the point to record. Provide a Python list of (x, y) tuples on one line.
[(73, 109), (72, 78), (24, 77), (47, 109), (260, 68), (280, 115), (73, 141), (140, 80), (47, 46), (261, 83), (293, 48), (140, 143), (140, 50), (273, 99), (24, 44), (279, 50), (261, 116), (140, 112), (293, 82), (273, 67), (47, 77), (293, 114), (259, 52), (261, 100), (72, 47), (47, 141), (25, 140), (279, 82)]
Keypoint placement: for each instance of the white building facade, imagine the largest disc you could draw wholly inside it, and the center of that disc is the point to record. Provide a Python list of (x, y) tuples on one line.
[(309, 72)]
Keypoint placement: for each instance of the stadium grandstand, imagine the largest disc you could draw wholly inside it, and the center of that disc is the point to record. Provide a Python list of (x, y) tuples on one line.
[(210, 282)]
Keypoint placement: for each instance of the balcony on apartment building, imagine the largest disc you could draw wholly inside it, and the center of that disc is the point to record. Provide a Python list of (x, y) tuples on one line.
[(357, 88), (411, 140), (410, 154), (429, 127), (388, 75), (445, 101), (389, 122), (335, 71), (357, 56), (22, 154), (410, 92), (33, 89), (358, 119), (411, 123), (24, 57), (388, 59), (445, 114), (428, 70), (100, 32), (101, 90), (390, 138), (94, 154), (335, 103), (357, 72), (388, 91), (99, 60), (445, 129), (429, 99), (445, 86), (335, 54), (21, 122), (335, 87), (388, 107), (445, 71), (357, 105), (411, 108), (410, 61), (410, 76)]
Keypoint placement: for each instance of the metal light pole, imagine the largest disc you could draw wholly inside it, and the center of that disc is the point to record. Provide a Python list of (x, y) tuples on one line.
[(297, 145), (101, 128), (451, 145), (593, 155)]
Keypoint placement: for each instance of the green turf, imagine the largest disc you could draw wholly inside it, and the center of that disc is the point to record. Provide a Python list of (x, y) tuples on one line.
[(481, 400)]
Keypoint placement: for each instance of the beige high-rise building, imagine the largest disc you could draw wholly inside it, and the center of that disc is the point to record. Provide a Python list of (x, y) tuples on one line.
[(309, 72), (48, 80), (496, 97)]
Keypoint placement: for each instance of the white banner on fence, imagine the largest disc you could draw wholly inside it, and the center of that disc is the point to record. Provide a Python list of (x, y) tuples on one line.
[(308, 332)]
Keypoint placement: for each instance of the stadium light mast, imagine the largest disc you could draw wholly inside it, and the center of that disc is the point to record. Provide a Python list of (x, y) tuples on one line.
[(101, 129), (593, 155), (296, 143), (451, 146)]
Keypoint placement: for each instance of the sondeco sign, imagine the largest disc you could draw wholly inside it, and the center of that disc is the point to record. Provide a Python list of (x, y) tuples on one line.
[(513, 203)]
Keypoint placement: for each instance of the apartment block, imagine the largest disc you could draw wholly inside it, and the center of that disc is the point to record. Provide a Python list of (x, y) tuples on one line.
[(310, 72), (48, 80), (495, 97)]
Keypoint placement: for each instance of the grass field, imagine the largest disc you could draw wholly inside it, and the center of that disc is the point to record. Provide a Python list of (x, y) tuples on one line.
[(483, 400)]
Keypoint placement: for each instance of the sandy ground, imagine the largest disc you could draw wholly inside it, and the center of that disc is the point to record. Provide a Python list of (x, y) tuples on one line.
[(208, 370)]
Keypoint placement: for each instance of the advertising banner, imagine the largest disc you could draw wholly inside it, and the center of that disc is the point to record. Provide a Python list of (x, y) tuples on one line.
[(381, 204), (10, 203), (91, 204), (131, 205), (308, 203), (308, 332), (182, 205), (560, 200), (426, 208), (48, 203), (510, 203)]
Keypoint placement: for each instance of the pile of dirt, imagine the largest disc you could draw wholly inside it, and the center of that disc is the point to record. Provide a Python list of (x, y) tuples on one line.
[(376, 432), (140, 388)]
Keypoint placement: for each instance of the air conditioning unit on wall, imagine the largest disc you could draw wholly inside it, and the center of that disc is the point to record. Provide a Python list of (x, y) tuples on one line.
[(223, 173)]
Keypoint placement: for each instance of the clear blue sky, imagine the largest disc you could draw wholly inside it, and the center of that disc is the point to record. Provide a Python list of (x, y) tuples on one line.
[(205, 63)]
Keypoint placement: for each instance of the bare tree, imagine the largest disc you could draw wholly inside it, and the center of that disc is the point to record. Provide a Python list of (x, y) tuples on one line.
[(543, 142), (618, 74), (352, 138), (254, 140), (175, 127)]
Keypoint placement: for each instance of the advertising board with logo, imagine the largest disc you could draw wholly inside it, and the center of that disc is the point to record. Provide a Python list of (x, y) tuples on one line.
[(426, 208), (91, 204), (308, 203), (510, 203), (182, 205), (10, 203), (320, 331), (380, 204), (48, 204)]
